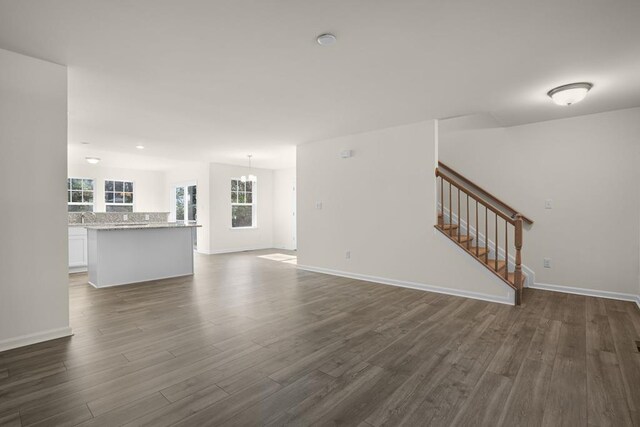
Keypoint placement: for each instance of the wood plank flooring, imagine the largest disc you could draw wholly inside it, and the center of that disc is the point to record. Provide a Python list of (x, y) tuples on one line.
[(250, 341)]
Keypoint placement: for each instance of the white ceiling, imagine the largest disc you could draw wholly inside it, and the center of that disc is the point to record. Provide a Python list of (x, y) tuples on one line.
[(215, 80)]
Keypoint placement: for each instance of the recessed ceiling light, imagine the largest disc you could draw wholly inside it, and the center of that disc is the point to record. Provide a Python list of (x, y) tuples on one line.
[(326, 39), (92, 160), (140, 147), (569, 94), (84, 143)]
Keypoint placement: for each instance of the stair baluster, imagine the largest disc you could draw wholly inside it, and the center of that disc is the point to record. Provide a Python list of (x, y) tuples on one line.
[(450, 207), (459, 225), (486, 234), (441, 199), (468, 223), (496, 244), (477, 229), (506, 250)]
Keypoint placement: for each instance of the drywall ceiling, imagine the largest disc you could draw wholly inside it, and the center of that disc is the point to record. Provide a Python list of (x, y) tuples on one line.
[(215, 80)]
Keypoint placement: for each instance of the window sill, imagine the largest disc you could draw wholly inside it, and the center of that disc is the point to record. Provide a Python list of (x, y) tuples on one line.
[(243, 228)]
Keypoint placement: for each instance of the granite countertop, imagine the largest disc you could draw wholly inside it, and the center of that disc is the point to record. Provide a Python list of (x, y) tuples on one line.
[(137, 226)]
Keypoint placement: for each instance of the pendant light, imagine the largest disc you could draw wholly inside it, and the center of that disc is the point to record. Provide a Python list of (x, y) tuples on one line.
[(251, 178)]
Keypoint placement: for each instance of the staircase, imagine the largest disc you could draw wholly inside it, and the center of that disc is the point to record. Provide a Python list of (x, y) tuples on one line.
[(471, 216)]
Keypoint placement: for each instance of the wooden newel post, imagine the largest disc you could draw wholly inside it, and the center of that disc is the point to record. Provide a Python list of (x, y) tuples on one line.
[(518, 269)]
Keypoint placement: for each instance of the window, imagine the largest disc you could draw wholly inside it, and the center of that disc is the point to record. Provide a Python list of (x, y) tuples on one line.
[(80, 194), (243, 203), (118, 196)]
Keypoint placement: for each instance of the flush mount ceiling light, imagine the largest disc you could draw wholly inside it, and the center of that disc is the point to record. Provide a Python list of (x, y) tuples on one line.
[(251, 178), (569, 94), (92, 160), (140, 147), (84, 143), (326, 39)]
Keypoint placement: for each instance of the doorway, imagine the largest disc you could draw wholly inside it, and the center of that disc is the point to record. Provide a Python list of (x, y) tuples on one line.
[(185, 205)]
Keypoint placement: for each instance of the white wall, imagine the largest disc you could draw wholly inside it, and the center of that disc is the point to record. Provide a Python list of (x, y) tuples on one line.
[(588, 166), (198, 173), (149, 186), (380, 206), (34, 296), (284, 208), (225, 239)]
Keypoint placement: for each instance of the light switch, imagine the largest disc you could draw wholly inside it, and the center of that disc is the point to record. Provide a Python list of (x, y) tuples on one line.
[(318, 205), (548, 204), (546, 262), (125, 217)]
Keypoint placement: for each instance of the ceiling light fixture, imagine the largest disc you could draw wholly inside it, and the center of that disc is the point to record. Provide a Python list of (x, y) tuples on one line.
[(569, 94), (84, 143), (92, 160), (326, 39), (140, 147), (251, 178)]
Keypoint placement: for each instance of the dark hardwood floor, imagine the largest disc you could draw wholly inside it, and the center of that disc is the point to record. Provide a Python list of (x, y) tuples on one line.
[(251, 341)]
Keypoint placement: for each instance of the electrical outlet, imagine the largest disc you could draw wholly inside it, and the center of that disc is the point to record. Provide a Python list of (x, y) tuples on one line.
[(347, 255), (146, 217), (125, 217), (548, 204), (546, 262)]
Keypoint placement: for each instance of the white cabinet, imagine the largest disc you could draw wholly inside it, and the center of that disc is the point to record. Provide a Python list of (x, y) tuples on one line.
[(77, 249)]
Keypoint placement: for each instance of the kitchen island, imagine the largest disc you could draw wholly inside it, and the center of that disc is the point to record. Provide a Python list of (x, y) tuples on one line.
[(119, 254)]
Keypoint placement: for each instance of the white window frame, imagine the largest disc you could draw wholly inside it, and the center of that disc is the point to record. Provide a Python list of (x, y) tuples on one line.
[(69, 189), (133, 192), (253, 204)]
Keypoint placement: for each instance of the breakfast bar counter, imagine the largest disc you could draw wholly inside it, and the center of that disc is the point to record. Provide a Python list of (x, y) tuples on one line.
[(119, 254)]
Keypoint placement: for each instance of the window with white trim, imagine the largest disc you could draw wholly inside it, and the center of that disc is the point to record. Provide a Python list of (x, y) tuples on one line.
[(118, 196), (80, 194), (243, 204)]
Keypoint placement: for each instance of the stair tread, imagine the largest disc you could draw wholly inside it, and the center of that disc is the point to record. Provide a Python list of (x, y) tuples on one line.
[(453, 232), (492, 263), (479, 250), (463, 238)]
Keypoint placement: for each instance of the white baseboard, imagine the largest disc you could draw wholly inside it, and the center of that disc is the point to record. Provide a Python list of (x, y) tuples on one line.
[(509, 299), (232, 250), (284, 247), (34, 338), (73, 270), (587, 292)]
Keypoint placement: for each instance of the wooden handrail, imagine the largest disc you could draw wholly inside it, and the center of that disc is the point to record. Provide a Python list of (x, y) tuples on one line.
[(453, 229), (473, 188), (477, 198)]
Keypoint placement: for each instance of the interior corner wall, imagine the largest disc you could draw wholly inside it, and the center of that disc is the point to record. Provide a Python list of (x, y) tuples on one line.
[(379, 205), (222, 237), (198, 173), (588, 167), (34, 294), (284, 209), (148, 187)]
